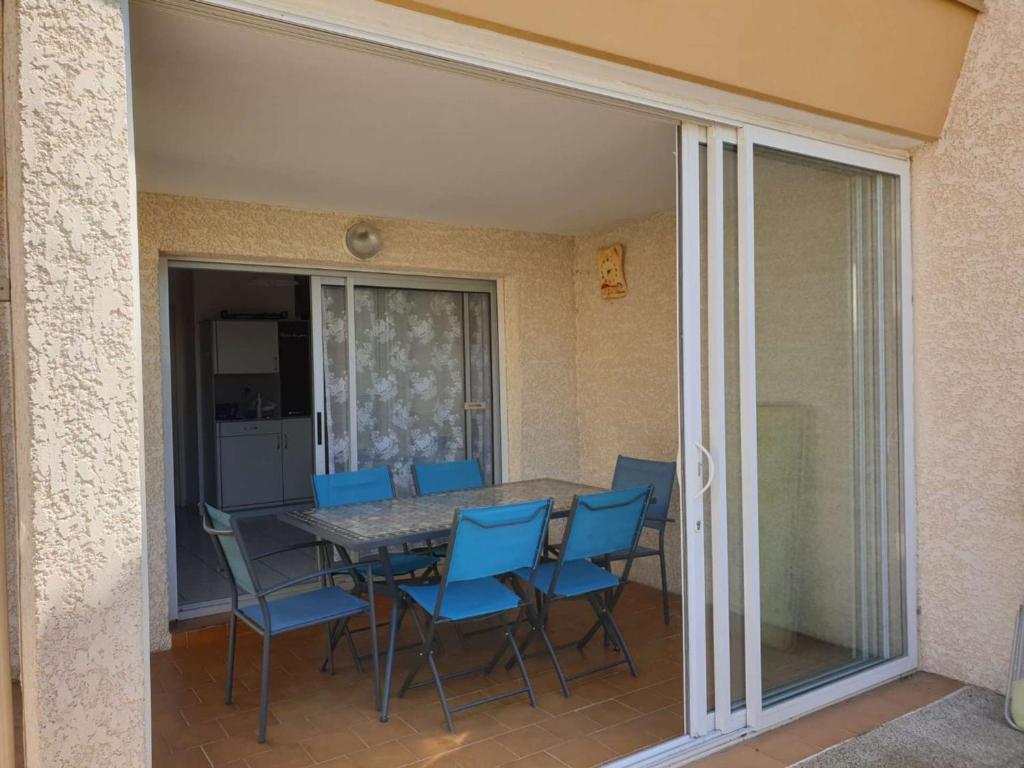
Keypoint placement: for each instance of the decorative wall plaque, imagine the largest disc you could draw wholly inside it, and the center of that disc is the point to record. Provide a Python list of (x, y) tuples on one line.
[(610, 268)]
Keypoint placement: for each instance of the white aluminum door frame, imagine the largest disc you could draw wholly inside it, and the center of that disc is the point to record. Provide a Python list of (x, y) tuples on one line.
[(691, 427), (723, 720), (754, 713), (748, 430)]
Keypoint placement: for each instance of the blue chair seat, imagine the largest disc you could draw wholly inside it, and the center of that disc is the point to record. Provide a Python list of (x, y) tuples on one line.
[(306, 609), (401, 563), (465, 599), (577, 577)]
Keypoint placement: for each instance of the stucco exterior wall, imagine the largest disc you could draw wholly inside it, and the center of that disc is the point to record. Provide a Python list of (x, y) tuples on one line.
[(539, 326), (969, 296), (77, 398)]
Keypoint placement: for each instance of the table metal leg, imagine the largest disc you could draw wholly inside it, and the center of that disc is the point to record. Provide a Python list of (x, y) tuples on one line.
[(385, 563)]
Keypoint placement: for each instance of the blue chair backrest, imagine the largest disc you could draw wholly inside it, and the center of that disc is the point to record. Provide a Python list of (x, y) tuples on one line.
[(230, 547), (353, 487), (605, 522), (447, 476), (490, 541), (629, 473)]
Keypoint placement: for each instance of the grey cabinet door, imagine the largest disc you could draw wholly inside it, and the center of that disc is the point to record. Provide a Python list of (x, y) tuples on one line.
[(250, 470), (298, 458), (246, 346)]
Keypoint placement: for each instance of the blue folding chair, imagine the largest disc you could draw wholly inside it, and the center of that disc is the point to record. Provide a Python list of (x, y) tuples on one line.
[(598, 524), (447, 476), (442, 477), (661, 475), (375, 484), (485, 543), (329, 604)]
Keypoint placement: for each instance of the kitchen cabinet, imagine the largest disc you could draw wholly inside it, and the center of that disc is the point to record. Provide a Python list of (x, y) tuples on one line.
[(250, 469), (264, 462), (297, 458), (245, 346)]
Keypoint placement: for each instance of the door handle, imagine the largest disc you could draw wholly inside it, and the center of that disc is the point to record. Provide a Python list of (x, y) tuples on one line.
[(711, 471), (286, 440), (319, 428)]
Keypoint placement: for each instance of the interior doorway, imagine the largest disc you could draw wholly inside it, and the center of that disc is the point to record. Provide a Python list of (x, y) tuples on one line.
[(242, 410), (277, 375)]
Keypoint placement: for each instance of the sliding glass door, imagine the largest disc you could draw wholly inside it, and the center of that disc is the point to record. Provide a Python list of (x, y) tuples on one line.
[(827, 357), (794, 329), (405, 373)]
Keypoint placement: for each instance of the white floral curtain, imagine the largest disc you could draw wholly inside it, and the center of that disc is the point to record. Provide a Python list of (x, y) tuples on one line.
[(411, 358), (410, 381)]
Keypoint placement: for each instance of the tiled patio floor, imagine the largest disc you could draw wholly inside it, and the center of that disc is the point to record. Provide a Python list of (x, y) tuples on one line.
[(317, 719)]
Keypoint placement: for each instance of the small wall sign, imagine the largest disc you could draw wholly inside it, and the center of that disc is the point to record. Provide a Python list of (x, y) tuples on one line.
[(611, 271)]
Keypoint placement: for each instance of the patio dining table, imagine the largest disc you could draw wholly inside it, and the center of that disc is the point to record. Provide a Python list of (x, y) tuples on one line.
[(379, 525)]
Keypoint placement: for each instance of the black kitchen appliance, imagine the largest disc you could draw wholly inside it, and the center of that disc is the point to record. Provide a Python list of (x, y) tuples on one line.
[(295, 368)]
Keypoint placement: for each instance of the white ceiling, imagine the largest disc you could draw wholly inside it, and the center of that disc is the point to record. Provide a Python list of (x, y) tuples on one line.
[(232, 111)]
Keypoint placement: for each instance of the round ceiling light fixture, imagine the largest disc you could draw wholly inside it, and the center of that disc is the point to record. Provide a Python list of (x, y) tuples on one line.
[(362, 240)]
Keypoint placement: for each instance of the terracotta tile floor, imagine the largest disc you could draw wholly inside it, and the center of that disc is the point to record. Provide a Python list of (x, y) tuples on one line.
[(317, 719)]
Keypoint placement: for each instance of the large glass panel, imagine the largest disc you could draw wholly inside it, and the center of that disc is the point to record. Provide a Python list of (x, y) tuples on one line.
[(829, 448), (335, 356), (410, 379)]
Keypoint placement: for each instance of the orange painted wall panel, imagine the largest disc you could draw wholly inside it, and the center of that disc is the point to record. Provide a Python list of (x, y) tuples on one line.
[(891, 64)]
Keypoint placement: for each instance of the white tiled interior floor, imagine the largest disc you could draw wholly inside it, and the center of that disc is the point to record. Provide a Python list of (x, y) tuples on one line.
[(199, 578)]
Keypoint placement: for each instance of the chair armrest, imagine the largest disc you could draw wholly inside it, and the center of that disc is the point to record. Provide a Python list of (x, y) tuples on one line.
[(291, 548), (659, 519), (315, 575)]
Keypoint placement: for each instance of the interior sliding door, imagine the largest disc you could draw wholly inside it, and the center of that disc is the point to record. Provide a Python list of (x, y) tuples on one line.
[(794, 307), (405, 374)]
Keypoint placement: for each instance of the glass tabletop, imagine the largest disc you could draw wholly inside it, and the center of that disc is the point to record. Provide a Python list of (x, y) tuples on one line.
[(375, 524)]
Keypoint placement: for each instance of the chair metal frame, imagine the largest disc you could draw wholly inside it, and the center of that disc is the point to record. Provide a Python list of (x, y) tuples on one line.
[(326, 578), (360, 579), (602, 601), (434, 620), (653, 522)]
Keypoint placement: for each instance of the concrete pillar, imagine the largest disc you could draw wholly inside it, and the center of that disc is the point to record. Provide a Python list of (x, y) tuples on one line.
[(77, 404)]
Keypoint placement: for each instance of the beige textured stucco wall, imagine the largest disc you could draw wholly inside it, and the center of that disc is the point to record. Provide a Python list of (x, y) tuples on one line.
[(626, 363), (77, 400), (968, 229), (539, 327)]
